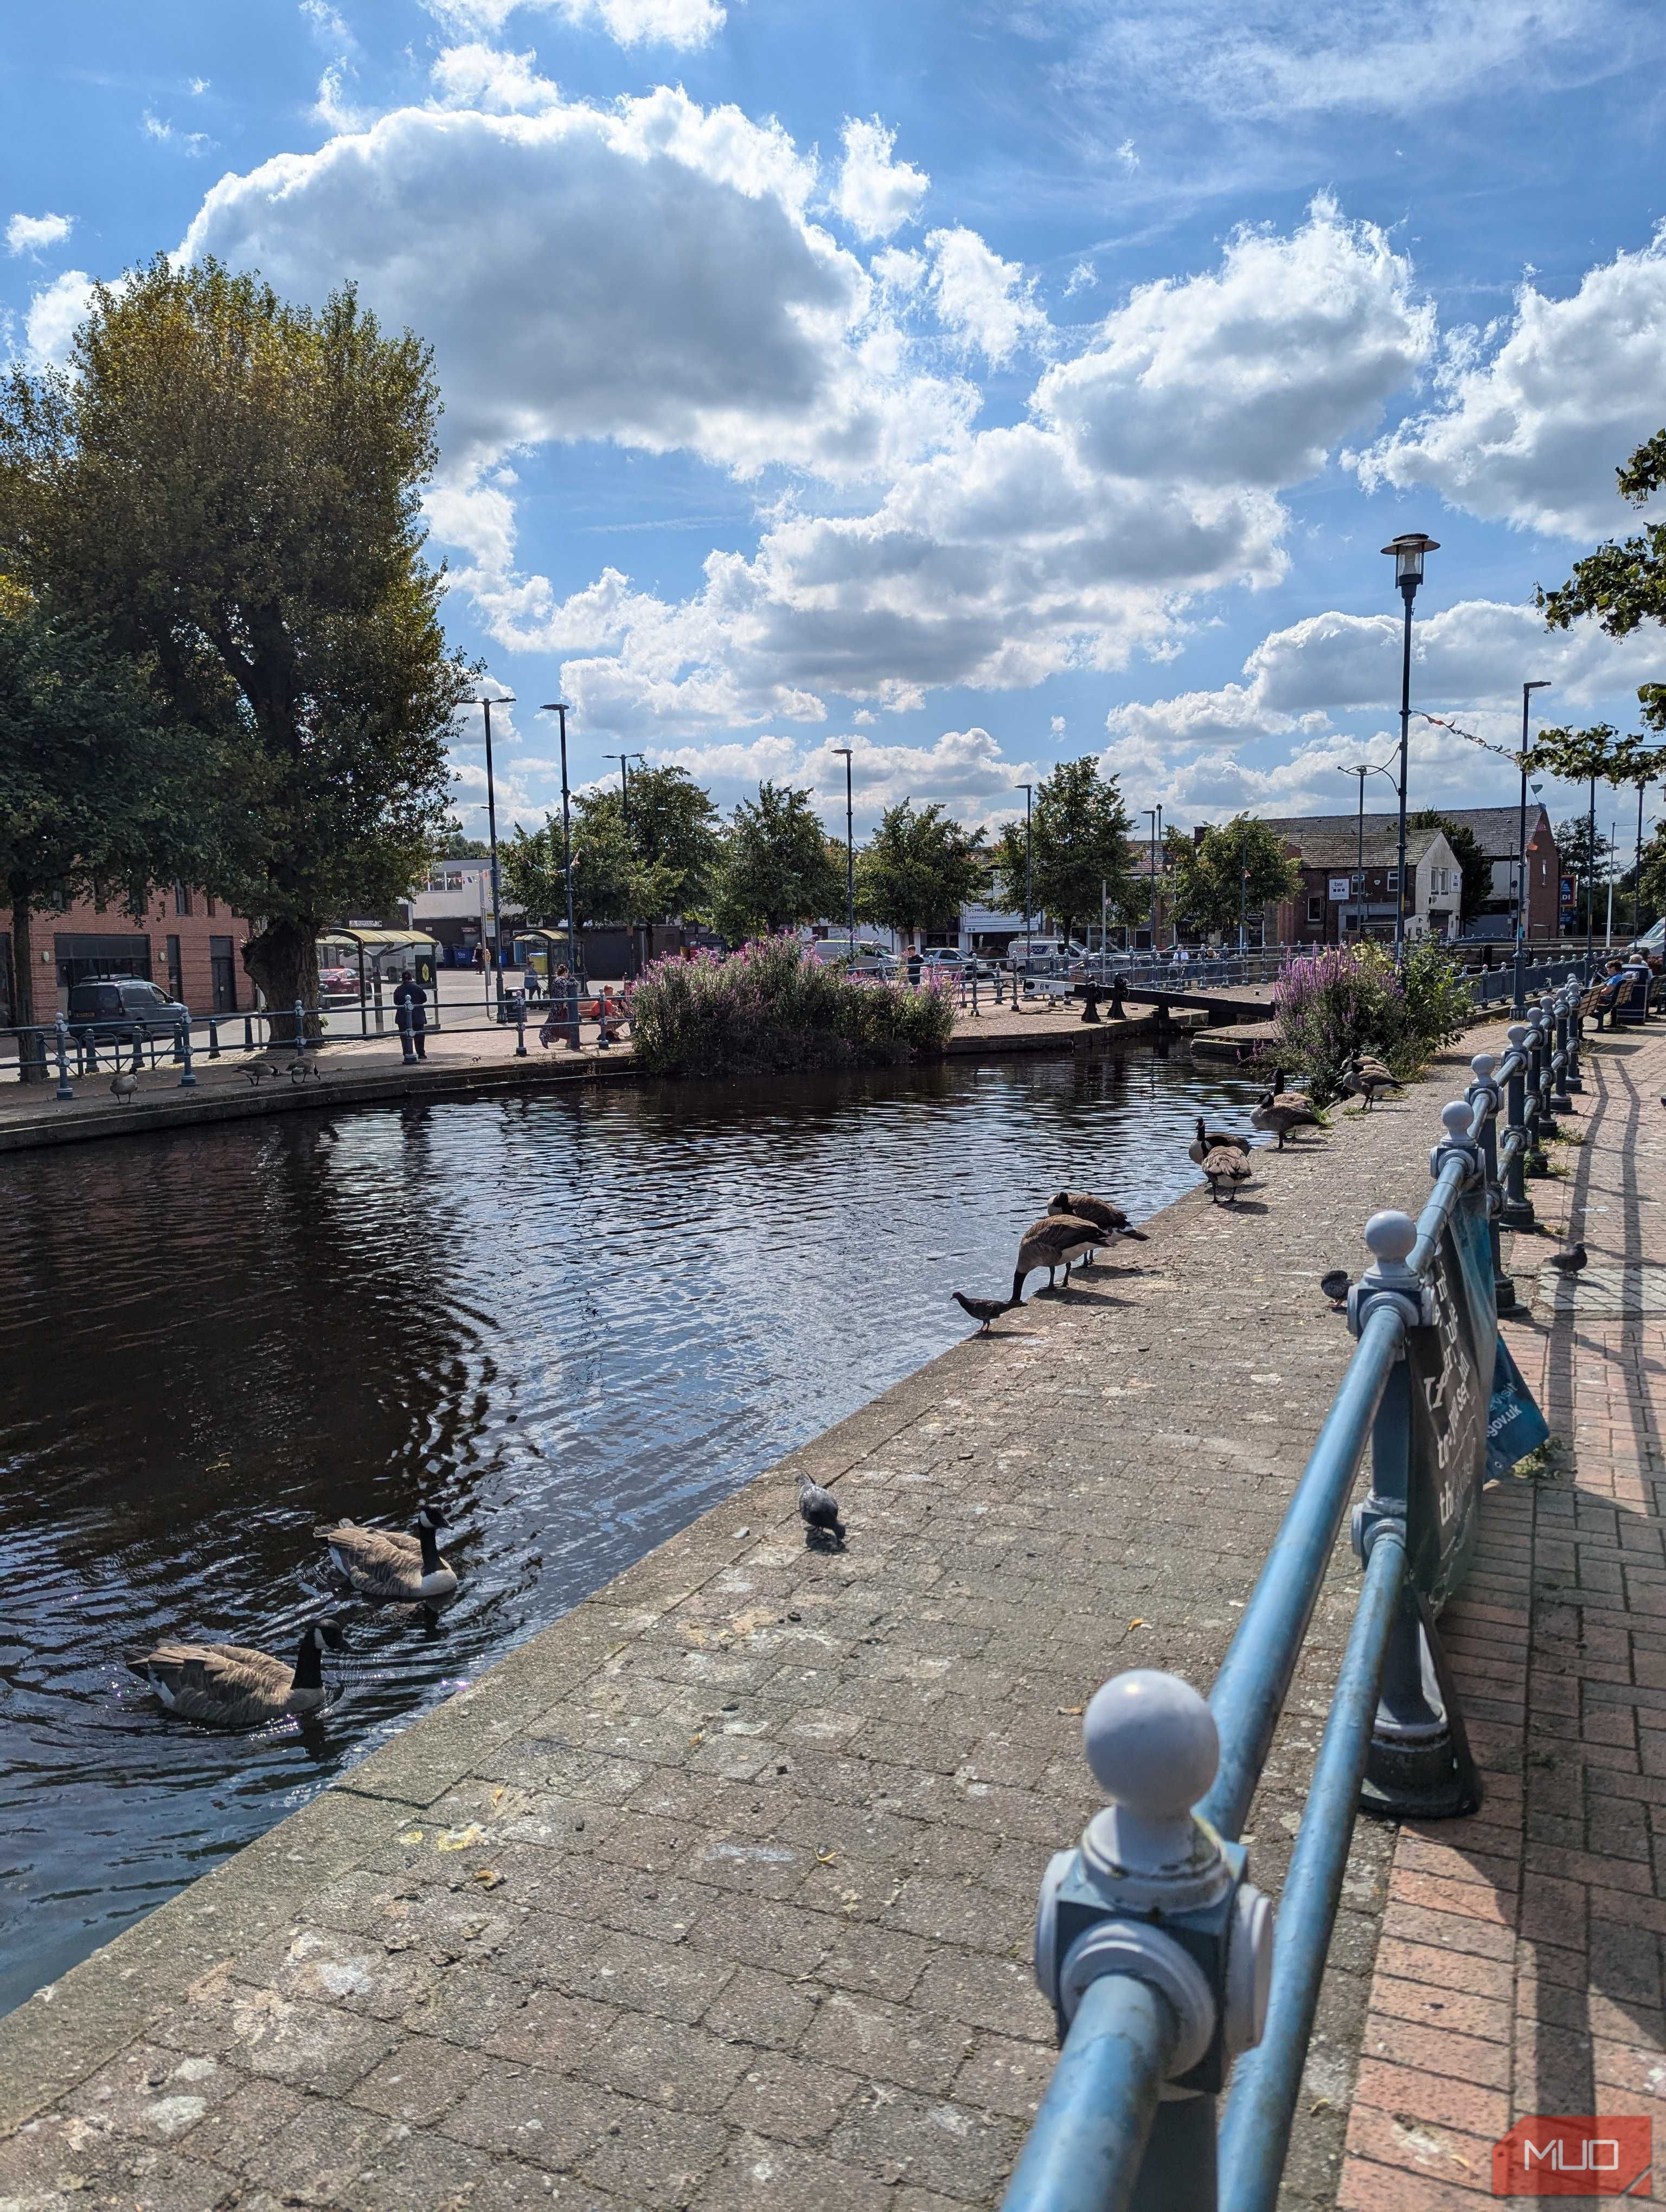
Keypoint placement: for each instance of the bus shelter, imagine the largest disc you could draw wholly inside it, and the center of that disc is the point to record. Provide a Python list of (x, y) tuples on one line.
[(378, 956)]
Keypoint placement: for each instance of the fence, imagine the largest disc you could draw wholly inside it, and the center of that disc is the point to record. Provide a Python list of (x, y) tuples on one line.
[(1153, 1946)]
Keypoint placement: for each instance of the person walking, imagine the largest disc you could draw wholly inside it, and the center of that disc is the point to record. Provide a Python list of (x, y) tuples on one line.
[(410, 1016), (562, 1018), (914, 964)]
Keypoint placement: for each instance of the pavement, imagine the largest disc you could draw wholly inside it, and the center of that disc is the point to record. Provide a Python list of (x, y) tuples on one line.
[(718, 1891)]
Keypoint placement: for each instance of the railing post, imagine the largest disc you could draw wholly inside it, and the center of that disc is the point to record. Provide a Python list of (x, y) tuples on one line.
[(1534, 1163), (520, 1024), (1516, 1211), (188, 1074), (301, 1027), (1576, 1038), (248, 1032), (64, 1089), (1483, 1092), (1559, 1100), (214, 1038), (1419, 1766)]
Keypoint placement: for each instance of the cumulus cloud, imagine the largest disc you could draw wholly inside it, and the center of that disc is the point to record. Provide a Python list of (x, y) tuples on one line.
[(684, 24), (161, 132), (32, 234), (987, 304), (964, 771), (876, 194), (1534, 420), (1251, 372), (482, 76), (327, 24), (52, 317), (1082, 278), (332, 107)]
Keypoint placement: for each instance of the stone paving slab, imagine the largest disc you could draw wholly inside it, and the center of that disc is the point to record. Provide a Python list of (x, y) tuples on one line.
[(719, 1891), (1521, 1966)]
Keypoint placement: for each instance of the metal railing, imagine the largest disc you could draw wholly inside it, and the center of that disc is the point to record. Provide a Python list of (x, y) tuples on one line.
[(1151, 1944)]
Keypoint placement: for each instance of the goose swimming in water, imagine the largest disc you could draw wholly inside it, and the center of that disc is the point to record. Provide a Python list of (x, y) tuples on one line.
[(230, 1685), (386, 1562)]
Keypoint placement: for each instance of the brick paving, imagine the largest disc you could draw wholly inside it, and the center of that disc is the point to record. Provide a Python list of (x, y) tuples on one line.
[(718, 1891), (1520, 1969)]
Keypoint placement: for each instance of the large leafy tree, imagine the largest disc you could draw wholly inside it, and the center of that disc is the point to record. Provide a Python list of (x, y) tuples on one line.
[(672, 828), (919, 869), (1589, 757), (1235, 867), (1640, 765), (1078, 841), (101, 793), (776, 866), (1474, 866), (231, 484)]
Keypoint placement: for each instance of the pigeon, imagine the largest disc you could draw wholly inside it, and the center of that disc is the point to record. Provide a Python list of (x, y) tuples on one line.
[(819, 1510), (1335, 1286), (123, 1085), (1569, 1263), (984, 1310)]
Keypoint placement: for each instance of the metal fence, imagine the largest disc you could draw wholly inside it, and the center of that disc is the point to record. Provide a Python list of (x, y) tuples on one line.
[(1156, 1951)]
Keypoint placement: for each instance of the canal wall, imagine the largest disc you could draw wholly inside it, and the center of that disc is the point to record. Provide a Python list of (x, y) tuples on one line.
[(719, 1889)]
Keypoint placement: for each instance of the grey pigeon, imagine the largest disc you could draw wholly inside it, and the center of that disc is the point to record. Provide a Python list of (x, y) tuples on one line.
[(1336, 1287), (1569, 1263), (984, 1310), (819, 1510)]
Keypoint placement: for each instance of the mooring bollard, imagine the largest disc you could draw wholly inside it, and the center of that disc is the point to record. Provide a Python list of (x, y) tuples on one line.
[(64, 1090), (188, 1076), (1151, 1895)]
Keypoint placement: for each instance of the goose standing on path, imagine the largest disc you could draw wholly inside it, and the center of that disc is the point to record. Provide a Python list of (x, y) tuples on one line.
[(1372, 1078), (1288, 1098), (1278, 1116), (1098, 1211), (386, 1562), (123, 1085), (231, 1686), (1225, 1169), (1057, 1240), (1210, 1140)]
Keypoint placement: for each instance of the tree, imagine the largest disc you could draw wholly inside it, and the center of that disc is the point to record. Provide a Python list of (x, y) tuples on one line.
[(1238, 867), (1474, 864), (233, 483), (1640, 765), (1078, 841), (918, 869), (1652, 875), (1623, 585), (1580, 860), (672, 828), (1593, 756), (97, 792), (456, 847), (530, 865), (776, 866)]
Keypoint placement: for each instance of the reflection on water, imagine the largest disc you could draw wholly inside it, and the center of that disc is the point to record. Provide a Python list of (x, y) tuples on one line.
[(576, 1320)]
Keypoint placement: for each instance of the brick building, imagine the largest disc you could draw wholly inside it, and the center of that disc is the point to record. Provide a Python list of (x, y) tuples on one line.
[(188, 943)]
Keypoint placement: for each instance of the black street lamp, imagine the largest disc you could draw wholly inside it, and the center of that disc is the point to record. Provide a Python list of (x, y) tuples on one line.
[(1407, 551), (1028, 791), (1155, 816), (849, 851), (625, 810), (1362, 770), (1519, 994), (486, 706), (558, 706)]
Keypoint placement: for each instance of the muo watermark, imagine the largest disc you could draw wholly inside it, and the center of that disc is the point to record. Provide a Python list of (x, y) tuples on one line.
[(1585, 2155)]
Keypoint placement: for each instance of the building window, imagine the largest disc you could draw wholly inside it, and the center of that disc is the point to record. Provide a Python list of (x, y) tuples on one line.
[(181, 899), (1391, 879), (1315, 909), (212, 908), (176, 974)]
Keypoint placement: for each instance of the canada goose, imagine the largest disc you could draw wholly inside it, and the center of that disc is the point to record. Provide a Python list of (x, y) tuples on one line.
[(230, 1685), (1371, 1077), (1287, 1097), (1280, 1115), (123, 1085), (983, 1310), (386, 1562), (1225, 1169), (1055, 1241), (1210, 1140), (1100, 1213), (301, 1067), (819, 1509)]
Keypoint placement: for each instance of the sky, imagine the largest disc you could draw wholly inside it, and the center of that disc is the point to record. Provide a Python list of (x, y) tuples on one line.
[(975, 385)]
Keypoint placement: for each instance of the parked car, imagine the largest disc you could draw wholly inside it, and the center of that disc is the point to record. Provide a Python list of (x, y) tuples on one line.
[(869, 959), (116, 1009), (1652, 943), (1031, 951)]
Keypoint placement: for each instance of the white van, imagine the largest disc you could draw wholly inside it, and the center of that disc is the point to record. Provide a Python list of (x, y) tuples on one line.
[(1032, 951)]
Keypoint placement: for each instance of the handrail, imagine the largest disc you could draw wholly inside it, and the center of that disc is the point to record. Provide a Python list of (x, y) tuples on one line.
[(1158, 1898)]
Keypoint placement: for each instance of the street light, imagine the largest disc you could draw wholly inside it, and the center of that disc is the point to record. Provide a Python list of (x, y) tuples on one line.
[(1407, 552), (486, 706), (1519, 994), (849, 851), (1155, 814), (558, 706), (1362, 770), (625, 810), (1028, 791)]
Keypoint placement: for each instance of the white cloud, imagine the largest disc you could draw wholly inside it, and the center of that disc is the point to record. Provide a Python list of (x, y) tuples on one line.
[(684, 24), (1082, 278), (1127, 155), (964, 771), (32, 234), (876, 195), (332, 108), (189, 143), (53, 315), (481, 76), (1249, 373), (197, 86), (329, 25), (987, 303), (1530, 433)]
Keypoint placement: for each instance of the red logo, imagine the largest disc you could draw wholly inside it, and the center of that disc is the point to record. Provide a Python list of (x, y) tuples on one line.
[(1583, 2157)]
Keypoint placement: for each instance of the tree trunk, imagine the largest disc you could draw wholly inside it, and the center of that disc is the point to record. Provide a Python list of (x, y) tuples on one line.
[(31, 1053), (282, 961)]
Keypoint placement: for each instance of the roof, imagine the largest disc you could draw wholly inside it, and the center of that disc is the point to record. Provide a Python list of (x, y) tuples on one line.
[(1332, 840), (375, 936), (1493, 828)]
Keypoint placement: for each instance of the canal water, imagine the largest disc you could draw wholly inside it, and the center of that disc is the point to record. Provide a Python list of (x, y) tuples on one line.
[(576, 1320)]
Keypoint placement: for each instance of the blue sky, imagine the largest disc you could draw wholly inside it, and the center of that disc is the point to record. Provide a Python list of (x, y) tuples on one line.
[(979, 385)]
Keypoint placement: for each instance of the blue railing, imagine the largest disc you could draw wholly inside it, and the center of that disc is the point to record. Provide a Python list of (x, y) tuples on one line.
[(1156, 1951)]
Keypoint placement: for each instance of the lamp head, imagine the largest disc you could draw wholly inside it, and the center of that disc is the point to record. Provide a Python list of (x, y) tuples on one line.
[(1541, 684), (1407, 551)]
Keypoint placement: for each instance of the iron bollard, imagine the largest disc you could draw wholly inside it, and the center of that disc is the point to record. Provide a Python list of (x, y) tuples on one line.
[(1153, 1894), (1484, 1095), (248, 1032), (520, 1024), (1558, 1099), (214, 1038), (64, 1089), (975, 1007), (1535, 1162), (1576, 1038), (188, 1076), (301, 1027), (1516, 1211)]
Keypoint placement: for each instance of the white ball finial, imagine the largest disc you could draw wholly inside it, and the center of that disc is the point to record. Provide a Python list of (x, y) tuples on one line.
[(1151, 1744), (1390, 1236), (1517, 1033), (1457, 1118), (1481, 1065)]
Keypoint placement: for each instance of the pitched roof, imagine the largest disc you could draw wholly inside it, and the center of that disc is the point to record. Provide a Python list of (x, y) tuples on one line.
[(1332, 840), (1494, 828)]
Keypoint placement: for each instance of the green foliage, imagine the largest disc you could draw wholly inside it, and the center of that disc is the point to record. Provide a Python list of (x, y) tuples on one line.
[(775, 866), (772, 1009), (1653, 878), (529, 866), (1239, 865), (1474, 864), (1351, 999), (232, 485), (456, 847), (1623, 584), (1437, 1004), (918, 869), (1080, 841), (672, 831)]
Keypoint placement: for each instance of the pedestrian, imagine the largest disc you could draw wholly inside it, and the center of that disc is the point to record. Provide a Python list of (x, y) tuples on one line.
[(479, 959), (914, 964), (563, 1019), (410, 1016)]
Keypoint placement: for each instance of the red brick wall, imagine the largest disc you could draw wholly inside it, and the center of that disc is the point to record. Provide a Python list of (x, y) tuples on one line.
[(160, 922)]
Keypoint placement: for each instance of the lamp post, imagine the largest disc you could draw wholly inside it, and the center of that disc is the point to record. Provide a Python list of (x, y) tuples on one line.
[(1155, 816), (486, 706), (1029, 793), (1407, 551), (1519, 993), (558, 706), (849, 851), (625, 810), (1362, 770)]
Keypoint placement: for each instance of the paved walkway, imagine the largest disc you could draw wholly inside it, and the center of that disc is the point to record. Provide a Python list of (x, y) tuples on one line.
[(718, 1891), (1520, 1966)]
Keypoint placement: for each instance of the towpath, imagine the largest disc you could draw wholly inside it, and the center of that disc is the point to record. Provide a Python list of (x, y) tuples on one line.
[(718, 1891)]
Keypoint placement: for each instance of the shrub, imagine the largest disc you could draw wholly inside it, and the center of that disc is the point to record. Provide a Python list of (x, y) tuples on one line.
[(772, 1009), (1351, 999)]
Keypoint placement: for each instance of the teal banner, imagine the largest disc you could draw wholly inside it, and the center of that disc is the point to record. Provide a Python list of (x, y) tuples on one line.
[(1515, 1426)]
